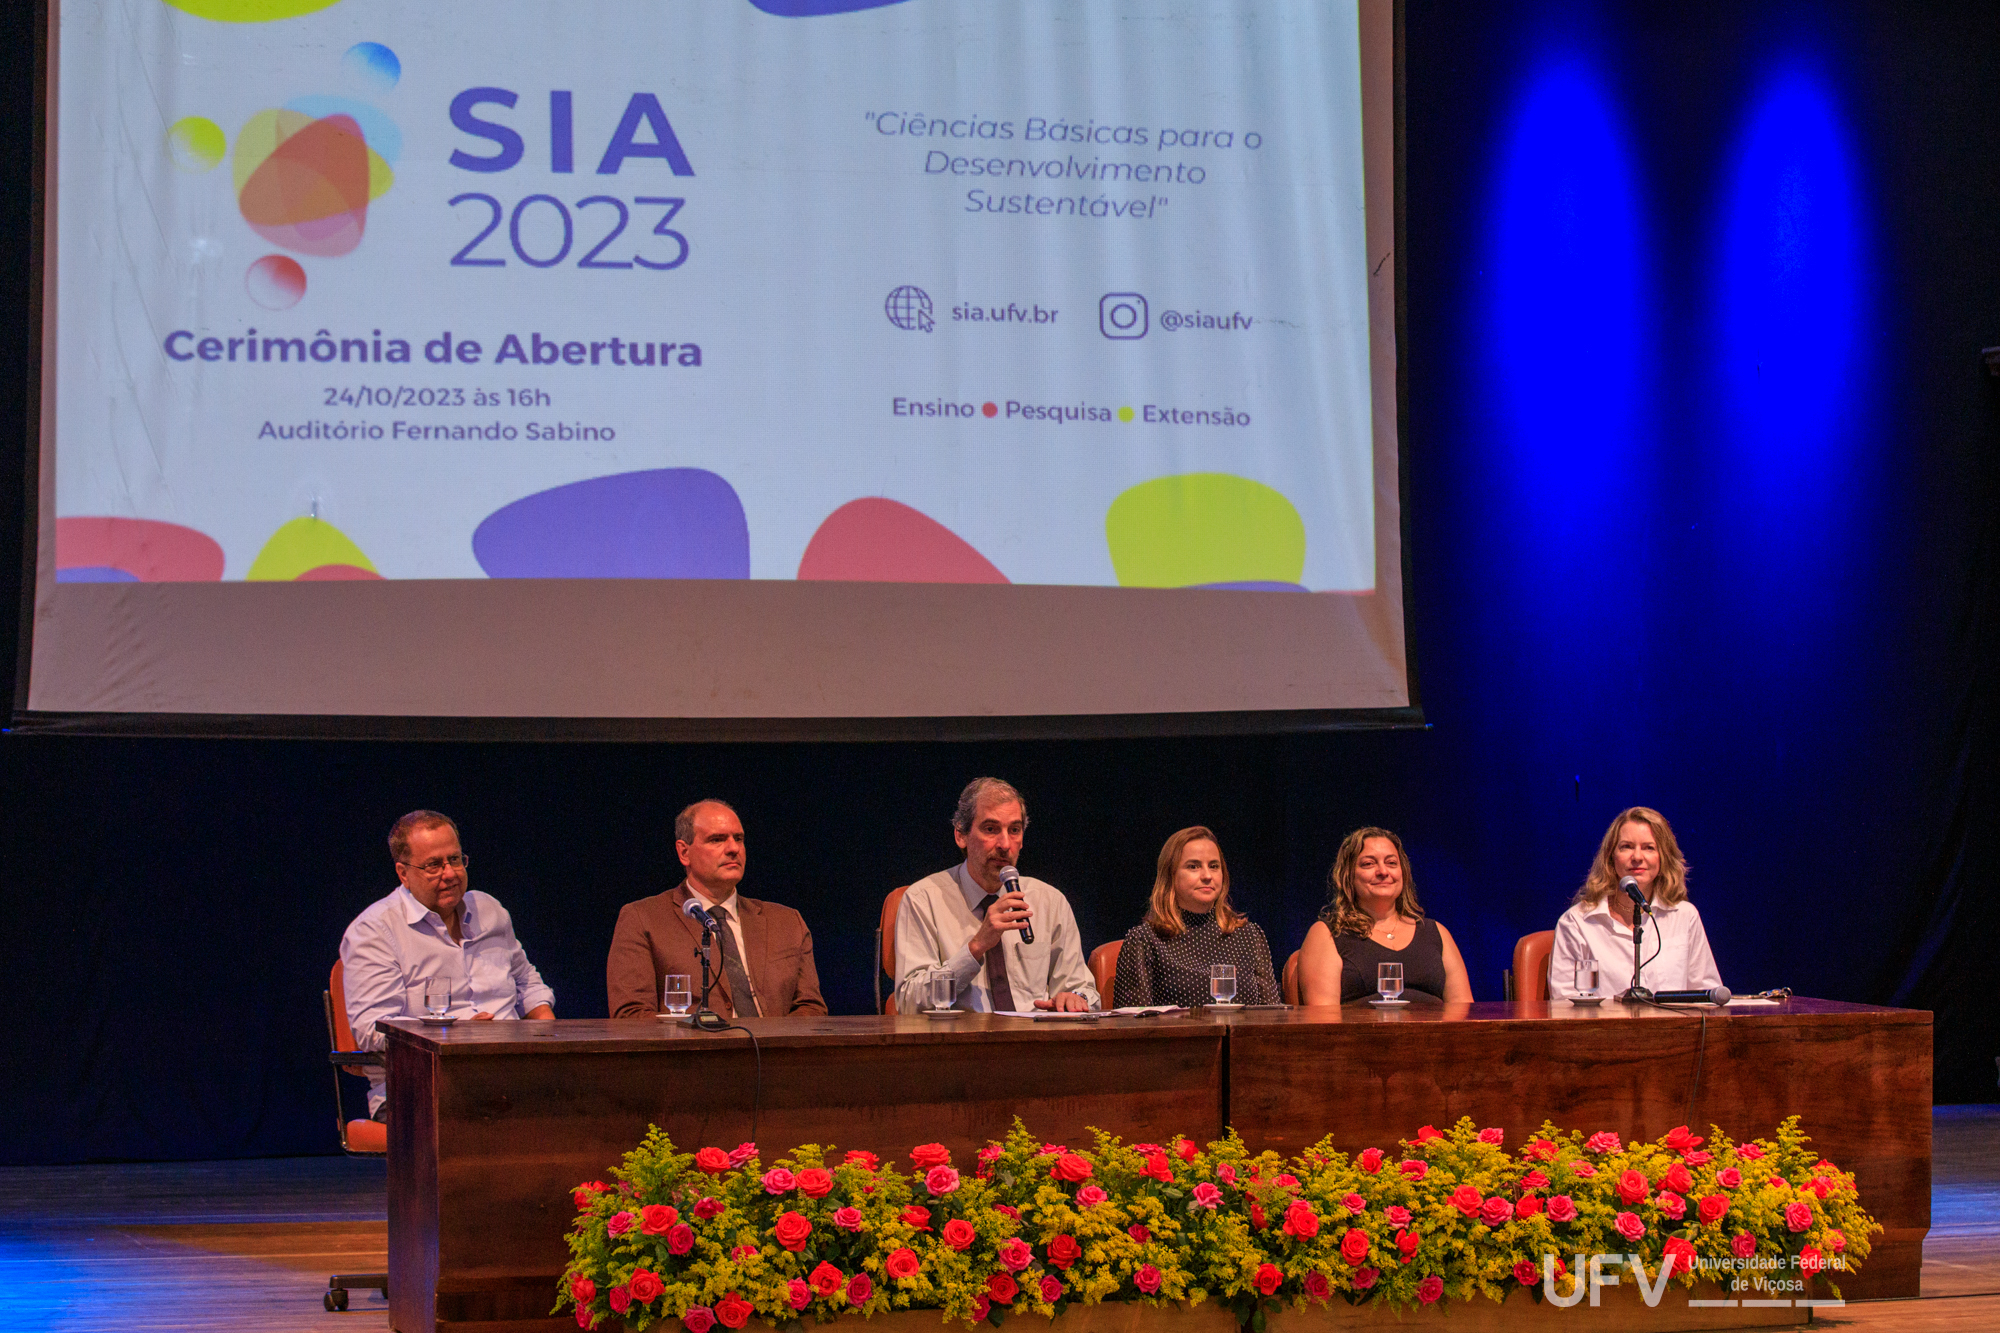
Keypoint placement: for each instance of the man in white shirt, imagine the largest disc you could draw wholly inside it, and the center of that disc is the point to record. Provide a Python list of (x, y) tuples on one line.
[(958, 920), (433, 926)]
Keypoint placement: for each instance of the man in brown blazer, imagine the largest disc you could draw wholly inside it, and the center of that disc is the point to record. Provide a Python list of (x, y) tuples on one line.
[(762, 947)]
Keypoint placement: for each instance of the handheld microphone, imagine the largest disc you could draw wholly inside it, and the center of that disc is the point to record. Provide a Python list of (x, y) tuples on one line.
[(1631, 887), (694, 909), (1010, 882), (1718, 996)]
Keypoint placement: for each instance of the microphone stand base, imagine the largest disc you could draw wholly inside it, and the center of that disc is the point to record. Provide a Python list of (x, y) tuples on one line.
[(1636, 995), (707, 1020)]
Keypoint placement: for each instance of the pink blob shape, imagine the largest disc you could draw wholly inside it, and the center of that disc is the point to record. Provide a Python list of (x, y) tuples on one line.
[(337, 574), (880, 541), (275, 282), (148, 550)]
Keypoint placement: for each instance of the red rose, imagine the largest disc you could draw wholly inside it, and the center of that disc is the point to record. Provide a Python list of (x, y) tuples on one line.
[(1268, 1278), (1750, 1152), (1008, 1210), (1835, 1240), (742, 1153), (1729, 1177), (1138, 1233), (1159, 1168), (1064, 1251), (1015, 1254), (1811, 1260), (1700, 1158), (1582, 1170), (1495, 1211), (680, 1239), (1407, 1242), (797, 1294), (1679, 1140), (1678, 1179), (698, 1319), (712, 1160), (585, 1193), (1398, 1215), (1364, 1278), (1534, 1180), (1430, 1289), (1632, 1187), (958, 1234), (1561, 1208), (1493, 1136), (620, 1298), (1526, 1274), (1354, 1203), (1820, 1186), (1002, 1287), (1528, 1206), (1071, 1168), (1317, 1287), (859, 1288), (742, 1252), (1354, 1245), (1798, 1215), (733, 1310), (1743, 1245), (825, 1279), (656, 1218), (1712, 1208), (1629, 1226), (582, 1290), (941, 1180), (903, 1263), (1185, 1149), (847, 1219), (1371, 1160), (708, 1209), (1147, 1279), (645, 1286), (1256, 1215), (1427, 1133), (1301, 1221), (584, 1318), (1416, 1171), (981, 1308), (1090, 1196), (815, 1183), (1603, 1141), (1542, 1150), (918, 1216), (793, 1230), (867, 1161), (1052, 1289), (1678, 1256), (1466, 1199), (927, 1155)]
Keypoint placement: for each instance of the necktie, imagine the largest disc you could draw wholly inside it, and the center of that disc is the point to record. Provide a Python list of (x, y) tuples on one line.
[(996, 966), (740, 997)]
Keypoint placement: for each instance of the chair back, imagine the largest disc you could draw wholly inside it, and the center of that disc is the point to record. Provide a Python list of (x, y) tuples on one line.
[(1531, 965), (356, 1136), (1104, 969), (1291, 982), (885, 958), (338, 1031)]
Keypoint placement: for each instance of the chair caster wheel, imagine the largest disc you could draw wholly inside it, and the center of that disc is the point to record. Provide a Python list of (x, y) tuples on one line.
[(336, 1300)]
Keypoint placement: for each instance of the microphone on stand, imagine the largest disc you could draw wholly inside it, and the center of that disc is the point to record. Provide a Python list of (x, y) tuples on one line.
[(1629, 885), (709, 925), (1010, 882), (703, 1016)]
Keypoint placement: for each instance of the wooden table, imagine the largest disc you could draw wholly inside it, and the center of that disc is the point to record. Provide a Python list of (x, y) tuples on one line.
[(493, 1123)]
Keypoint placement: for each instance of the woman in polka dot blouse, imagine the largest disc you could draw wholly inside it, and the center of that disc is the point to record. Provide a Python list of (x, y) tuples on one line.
[(1189, 927)]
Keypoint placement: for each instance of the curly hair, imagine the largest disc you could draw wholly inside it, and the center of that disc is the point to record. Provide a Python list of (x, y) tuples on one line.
[(1672, 885), (1344, 913), (1163, 913)]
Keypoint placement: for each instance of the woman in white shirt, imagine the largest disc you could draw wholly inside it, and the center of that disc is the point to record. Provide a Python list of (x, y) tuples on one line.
[(1640, 844)]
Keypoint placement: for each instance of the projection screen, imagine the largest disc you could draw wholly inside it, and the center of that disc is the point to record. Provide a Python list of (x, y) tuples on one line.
[(719, 368)]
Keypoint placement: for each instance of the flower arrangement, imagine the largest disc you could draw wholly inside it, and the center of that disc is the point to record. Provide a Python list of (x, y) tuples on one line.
[(715, 1237)]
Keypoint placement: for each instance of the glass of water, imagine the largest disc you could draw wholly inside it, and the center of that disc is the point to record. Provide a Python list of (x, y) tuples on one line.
[(437, 997), (1586, 976), (675, 994), (1389, 980), (944, 989), (1222, 983)]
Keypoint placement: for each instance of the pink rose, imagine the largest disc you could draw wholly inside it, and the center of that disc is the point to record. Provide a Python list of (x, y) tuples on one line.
[(1354, 1203), (1562, 1208), (1729, 1177), (797, 1294), (621, 1223), (708, 1209), (681, 1239), (620, 1298), (1090, 1196), (1493, 1136), (815, 1183), (1629, 1226), (742, 1153), (779, 1181), (980, 1309), (1007, 1210), (1398, 1215), (1227, 1173), (1700, 1157), (1743, 1245), (584, 1318), (1147, 1279), (1370, 1160), (740, 1253), (958, 1234), (847, 1219), (1139, 1234), (1582, 1170), (1014, 1254), (1430, 1289), (698, 1319), (859, 1288), (1798, 1215), (941, 1180), (1495, 1211), (1052, 1289), (1603, 1141), (1414, 1170), (1318, 1288), (1286, 1181), (1205, 1196), (1835, 1240), (1750, 1151), (1364, 1278), (1671, 1205)]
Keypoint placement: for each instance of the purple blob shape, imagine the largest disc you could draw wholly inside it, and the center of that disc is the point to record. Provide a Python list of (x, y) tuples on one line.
[(1253, 585), (669, 523), (95, 574)]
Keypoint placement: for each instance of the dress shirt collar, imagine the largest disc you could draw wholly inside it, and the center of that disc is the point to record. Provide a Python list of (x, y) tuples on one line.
[(1603, 910), (713, 903), (414, 911), (967, 885)]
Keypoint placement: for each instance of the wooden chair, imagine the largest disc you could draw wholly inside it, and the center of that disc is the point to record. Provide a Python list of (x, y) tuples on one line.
[(1104, 970), (1528, 979), (1291, 981), (885, 951), (358, 1138)]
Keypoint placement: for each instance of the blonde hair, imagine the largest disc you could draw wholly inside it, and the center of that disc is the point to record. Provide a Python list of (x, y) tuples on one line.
[(1343, 894), (1163, 914), (1669, 888)]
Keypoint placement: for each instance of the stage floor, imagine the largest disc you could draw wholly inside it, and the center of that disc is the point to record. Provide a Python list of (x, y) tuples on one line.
[(248, 1245)]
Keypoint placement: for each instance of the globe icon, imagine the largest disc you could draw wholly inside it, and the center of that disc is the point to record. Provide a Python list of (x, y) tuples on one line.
[(909, 308)]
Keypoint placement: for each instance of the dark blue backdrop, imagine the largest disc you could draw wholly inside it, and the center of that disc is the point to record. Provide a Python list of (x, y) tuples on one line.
[(1702, 477)]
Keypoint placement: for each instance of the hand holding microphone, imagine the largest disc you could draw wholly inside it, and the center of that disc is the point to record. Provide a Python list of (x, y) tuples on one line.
[(1010, 886)]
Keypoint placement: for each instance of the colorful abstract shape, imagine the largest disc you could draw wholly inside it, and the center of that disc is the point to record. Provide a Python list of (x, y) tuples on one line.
[(305, 183), (372, 66), (196, 144), (275, 282), (379, 132), (882, 541), (250, 11), (338, 574), (141, 550), (303, 546), (1204, 529), (665, 523)]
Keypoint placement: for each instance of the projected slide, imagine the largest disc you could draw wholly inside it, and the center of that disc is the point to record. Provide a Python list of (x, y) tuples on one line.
[(804, 291)]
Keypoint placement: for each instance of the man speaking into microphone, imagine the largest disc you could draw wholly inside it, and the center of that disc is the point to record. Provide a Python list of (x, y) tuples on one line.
[(1010, 942), (761, 958)]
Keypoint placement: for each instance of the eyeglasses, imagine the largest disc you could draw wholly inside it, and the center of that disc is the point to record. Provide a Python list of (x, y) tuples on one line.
[(437, 865)]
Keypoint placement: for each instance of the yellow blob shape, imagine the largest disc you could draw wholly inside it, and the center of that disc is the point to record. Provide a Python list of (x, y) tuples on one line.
[(1204, 527), (303, 544), (196, 143), (249, 11), (380, 177), (1125, 414)]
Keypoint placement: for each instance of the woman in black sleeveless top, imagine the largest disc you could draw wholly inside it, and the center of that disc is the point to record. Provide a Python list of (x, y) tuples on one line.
[(1371, 917)]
